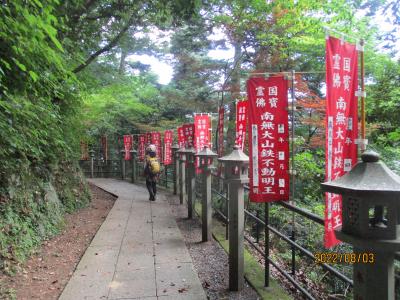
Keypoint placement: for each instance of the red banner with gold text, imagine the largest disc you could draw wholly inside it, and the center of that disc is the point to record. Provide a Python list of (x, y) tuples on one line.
[(341, 125), (268, 139)]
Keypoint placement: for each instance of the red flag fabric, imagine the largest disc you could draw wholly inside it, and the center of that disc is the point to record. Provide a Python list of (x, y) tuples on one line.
[(341, 125), (148, 138), (201, 131), (268, 139), (142, 146), (188, 130), (241, 123), (221, 113), (128, 141), (201, 135), (168, 138), (181, 137), (156, 140)]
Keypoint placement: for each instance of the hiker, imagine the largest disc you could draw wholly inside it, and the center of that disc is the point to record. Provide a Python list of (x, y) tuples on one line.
[(151, 171)]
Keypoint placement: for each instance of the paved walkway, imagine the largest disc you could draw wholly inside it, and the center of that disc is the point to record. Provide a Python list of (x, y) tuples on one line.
[(138, 252)]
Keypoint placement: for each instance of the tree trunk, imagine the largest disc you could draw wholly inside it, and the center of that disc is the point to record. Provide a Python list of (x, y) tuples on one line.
[(235, 94), (122, 62)]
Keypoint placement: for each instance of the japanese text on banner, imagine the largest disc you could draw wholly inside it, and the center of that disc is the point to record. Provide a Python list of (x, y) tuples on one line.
[(268, 139), (181, 137), (148, 138), (156, 140), (142, 146), (168, 138), (201, 131), (201, 134), (188, 130), (241, 123), (341, 125), (221, 113)]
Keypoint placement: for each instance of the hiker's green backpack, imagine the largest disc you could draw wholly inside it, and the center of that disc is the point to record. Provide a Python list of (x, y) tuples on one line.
[(153, 165)]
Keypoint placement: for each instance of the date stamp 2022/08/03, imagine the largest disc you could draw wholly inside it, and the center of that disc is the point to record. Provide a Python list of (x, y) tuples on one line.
[(347, 258)]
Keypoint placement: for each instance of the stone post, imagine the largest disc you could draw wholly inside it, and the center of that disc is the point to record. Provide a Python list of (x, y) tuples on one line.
[(206, 157), (182, 175), (133, 157), (123, 165), (191, 184), (91, 153), (236, 175), (175, 173)]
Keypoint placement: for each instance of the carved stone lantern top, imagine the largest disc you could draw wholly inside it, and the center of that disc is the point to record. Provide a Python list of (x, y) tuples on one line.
[(370, 177)]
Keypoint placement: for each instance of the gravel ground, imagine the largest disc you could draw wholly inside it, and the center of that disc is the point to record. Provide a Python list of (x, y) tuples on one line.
[(210, 260)]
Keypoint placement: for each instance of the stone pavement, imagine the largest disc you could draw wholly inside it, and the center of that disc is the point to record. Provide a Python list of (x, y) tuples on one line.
[(138, 252)]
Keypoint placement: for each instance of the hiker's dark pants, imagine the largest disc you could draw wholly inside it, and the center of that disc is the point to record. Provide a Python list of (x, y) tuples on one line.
[(151, 187)]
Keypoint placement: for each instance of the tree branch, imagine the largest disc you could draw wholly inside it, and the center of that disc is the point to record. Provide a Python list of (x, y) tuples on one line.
[(107, 47)]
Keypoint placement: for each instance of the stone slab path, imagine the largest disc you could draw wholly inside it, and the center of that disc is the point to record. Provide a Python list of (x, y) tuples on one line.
[(138, 252)]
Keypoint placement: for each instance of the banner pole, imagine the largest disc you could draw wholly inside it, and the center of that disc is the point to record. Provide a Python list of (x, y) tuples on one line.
[(363, 145), (293, 233)]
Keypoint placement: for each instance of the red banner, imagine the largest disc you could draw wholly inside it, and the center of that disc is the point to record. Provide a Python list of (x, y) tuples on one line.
[(181, 137), (156, 140), (221, 113), (241, 123), (201, 132), (188, 130), (148, 138), (168, 139), (128, 141), (142, 147), (104, 147), (341, 125), (201, 135), (268, 139)]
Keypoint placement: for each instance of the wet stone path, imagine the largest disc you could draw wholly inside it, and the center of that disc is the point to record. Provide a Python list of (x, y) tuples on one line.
[(138, 252)]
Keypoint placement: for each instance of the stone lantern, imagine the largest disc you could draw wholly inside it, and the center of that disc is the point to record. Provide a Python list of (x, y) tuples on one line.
[(175, 156), (236, 167), (206, 160), (133, 158), (371, 223), (182, 174), (191, 178)]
